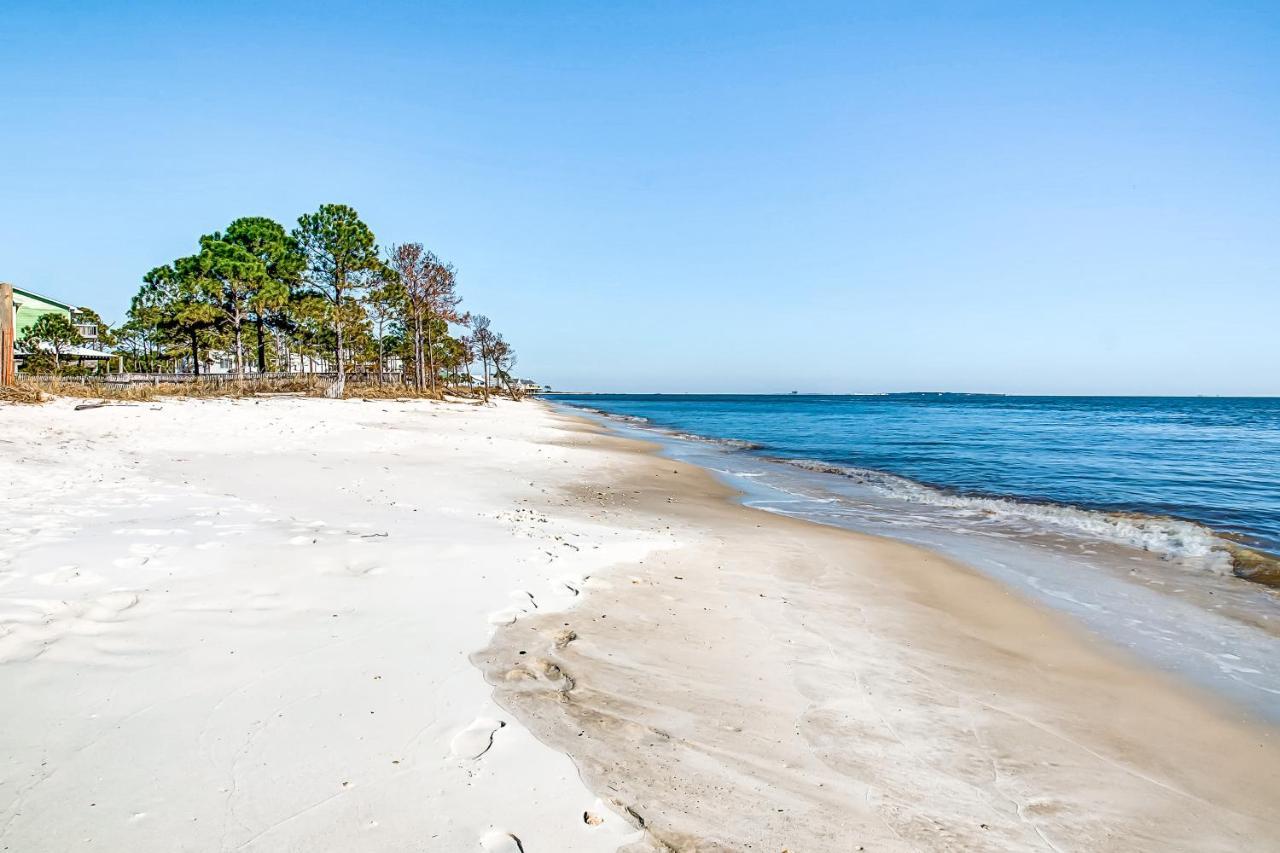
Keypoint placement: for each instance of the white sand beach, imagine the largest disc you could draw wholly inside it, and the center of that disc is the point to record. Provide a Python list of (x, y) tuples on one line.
[(245, 625), (267, 625)]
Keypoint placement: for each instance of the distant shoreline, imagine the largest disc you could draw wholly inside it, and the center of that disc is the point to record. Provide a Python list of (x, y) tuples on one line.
[(911, 394)]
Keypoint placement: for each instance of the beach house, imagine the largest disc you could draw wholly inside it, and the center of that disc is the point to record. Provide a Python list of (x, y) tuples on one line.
[(28, 307)]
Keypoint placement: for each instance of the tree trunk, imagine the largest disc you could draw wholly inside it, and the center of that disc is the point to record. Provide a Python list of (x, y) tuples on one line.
[(335, 390), (195, 353), (431, 355), (282, 353), (239, 348), (419, 376), (380, 360), (262, 347)]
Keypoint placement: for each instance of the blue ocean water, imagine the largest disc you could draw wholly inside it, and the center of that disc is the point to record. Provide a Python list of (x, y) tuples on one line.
[(1214, 461)]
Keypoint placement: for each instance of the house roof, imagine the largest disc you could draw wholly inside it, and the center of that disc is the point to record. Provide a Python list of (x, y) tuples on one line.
[(68, 352), (85, 352), (33, 295)]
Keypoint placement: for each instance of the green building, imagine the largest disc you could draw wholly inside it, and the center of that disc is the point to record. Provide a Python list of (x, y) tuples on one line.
[(29, 307)]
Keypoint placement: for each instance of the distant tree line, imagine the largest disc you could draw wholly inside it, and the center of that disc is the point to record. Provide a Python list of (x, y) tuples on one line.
[(322, 297)]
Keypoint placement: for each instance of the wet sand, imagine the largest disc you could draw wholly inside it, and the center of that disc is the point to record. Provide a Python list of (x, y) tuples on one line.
[(772, 684)]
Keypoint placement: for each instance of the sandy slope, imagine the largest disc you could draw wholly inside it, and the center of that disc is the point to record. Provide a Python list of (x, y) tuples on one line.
[(776, 685), (246, 626)]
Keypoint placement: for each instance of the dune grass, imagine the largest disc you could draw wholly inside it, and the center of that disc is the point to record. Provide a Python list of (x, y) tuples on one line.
[(22, 393), (32, 391)]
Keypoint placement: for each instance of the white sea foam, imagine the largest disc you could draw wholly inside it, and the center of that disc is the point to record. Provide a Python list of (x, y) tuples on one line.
[(729, 443), (1175, 538), (633, 419), (1171, 537)]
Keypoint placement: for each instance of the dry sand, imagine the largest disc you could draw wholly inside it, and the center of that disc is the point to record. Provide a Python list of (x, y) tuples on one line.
[(245, 625)]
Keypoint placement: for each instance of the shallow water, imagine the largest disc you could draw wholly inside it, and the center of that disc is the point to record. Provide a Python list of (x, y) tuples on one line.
[(1156, 588), (1215, 461)]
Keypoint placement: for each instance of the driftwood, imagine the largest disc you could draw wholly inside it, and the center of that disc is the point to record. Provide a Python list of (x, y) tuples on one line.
[(100, 404)]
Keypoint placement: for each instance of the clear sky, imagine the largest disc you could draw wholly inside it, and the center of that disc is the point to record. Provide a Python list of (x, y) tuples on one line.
[(1017, 197)]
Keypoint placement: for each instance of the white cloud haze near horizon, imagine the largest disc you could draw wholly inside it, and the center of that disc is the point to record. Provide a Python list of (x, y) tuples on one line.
[(732, 197)]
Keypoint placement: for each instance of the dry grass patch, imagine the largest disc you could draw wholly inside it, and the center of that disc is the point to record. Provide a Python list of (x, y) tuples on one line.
[(310, 386), (374, 391), (199, 389), (21, 393)]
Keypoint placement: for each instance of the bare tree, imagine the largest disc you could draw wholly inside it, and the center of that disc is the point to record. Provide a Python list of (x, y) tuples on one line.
[(431, 297), (504, 361), (442, 307), (411, 264), (385, 304), (466, 355), (483, 336), (496, 355)]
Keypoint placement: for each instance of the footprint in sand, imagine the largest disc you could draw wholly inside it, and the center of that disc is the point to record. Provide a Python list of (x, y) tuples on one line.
[(150, 531), (501, 842), (140, 553), (67, 576), (109, 607), (476, 739), (31, 632), (505, 617)]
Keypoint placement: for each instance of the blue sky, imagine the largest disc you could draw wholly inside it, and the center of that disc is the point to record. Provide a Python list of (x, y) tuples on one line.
[(1020, 197)]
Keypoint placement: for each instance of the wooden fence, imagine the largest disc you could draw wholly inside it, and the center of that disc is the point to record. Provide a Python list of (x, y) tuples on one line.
[(218, 379)]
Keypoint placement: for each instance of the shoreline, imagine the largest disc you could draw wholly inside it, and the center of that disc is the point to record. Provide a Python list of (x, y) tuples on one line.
[(255, 625), (1217, 631), (768, 665), (1123, 526)]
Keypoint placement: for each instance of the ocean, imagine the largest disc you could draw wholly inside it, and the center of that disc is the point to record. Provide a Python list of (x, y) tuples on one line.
[(1127, 512)]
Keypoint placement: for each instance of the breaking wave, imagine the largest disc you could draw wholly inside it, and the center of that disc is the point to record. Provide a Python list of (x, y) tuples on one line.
[(1189, 542), (729, 443), (1172, 537), (631, 419)]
